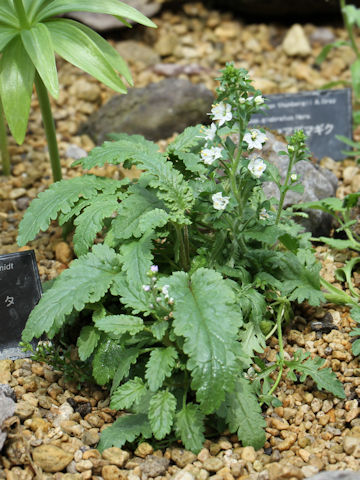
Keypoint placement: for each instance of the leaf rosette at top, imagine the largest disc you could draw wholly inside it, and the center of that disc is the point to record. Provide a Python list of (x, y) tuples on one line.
[(30, 35)]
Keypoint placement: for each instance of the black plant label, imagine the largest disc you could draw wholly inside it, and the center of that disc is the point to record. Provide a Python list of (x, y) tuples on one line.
[(20, 291)]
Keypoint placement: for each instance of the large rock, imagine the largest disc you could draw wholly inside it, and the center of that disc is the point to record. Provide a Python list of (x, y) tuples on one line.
[(156, 111), (7, 408), (318, 183), (102, 22)]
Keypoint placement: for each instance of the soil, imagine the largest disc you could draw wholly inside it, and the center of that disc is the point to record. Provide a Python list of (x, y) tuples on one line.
[(51, 437)]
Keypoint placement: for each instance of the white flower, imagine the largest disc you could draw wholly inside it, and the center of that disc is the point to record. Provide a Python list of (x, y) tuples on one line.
[(222, 112), (291, 148), (255, 139), (263, 214), (258, 100), (219, 202), (242, 100), (257, 167), (154, 268), (146, 288), (293, 177), (165, 290), (210, 132), (209, 155)]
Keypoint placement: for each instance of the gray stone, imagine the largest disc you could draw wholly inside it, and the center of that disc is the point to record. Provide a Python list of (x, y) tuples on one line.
[(337, 475), (75, 152), (154, 466), (156, 111), (102, 22), (132, 51), (7, 409), (318, 183)]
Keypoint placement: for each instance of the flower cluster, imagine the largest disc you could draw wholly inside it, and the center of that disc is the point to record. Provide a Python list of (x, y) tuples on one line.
[(219, 202), (257, 167), (160, 298)]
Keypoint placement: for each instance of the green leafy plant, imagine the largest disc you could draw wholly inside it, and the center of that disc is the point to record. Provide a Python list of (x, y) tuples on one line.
[(195, 271), (30, 35), (342, 211)]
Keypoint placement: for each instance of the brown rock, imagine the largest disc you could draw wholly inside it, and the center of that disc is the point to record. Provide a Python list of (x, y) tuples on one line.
[(111, 472), (154, 466), (144, 449), (24, 410), (51, 458), (182, 457), (295, 42), (116, 456), (248, 454), (63, 253), (5, 371), (213, 464)]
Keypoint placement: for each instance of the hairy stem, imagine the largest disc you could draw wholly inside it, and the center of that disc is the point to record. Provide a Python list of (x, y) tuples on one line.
[(183, 239), (49, 126), (4, 151), (284, 190), (281, 349)]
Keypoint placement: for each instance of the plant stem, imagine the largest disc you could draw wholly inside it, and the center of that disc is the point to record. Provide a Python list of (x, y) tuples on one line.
[(21, 14), (336, 295), (49, 126), (183, 240), (281, 349), (4, 151), (284, 189), (349, 28)]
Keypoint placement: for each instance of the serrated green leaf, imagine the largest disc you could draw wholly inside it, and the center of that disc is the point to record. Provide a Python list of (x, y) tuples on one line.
[(120, 324), (189, 138), (127, 147), (152, 220), (85, 281), (60, 197), (337, 243), (244, 415), (125, 429), (356, 347), (137, 259), (206, 316), (129, 393), (252, 340), (91, 220), (132, 210), (125, 359), (161, 413), (38, 44), (325, 378), (106, 360), (133, 298), (189, 426), (355, 313), (16, 84), (160, 366), (328, 205), (87, 342)]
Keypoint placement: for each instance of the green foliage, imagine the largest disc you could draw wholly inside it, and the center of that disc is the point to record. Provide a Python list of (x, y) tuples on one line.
[(325, 378), (30, 35), (195, 268)]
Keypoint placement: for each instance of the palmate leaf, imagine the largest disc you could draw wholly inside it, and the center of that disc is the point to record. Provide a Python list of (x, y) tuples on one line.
[(252, 340), (160, 366), (244, 415), (129, 221), (325, 378), (16, 83), (125, 429), (106, 359), (91, 220), (110, 7), (120, 324), (189, 426), (206, 316), (87, 341), (128, 394), (85, 281), (161, 413), (60, 197), (76, 47)]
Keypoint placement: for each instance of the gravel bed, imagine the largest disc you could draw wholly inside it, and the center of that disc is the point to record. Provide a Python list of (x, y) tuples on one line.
[(56, 426)]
